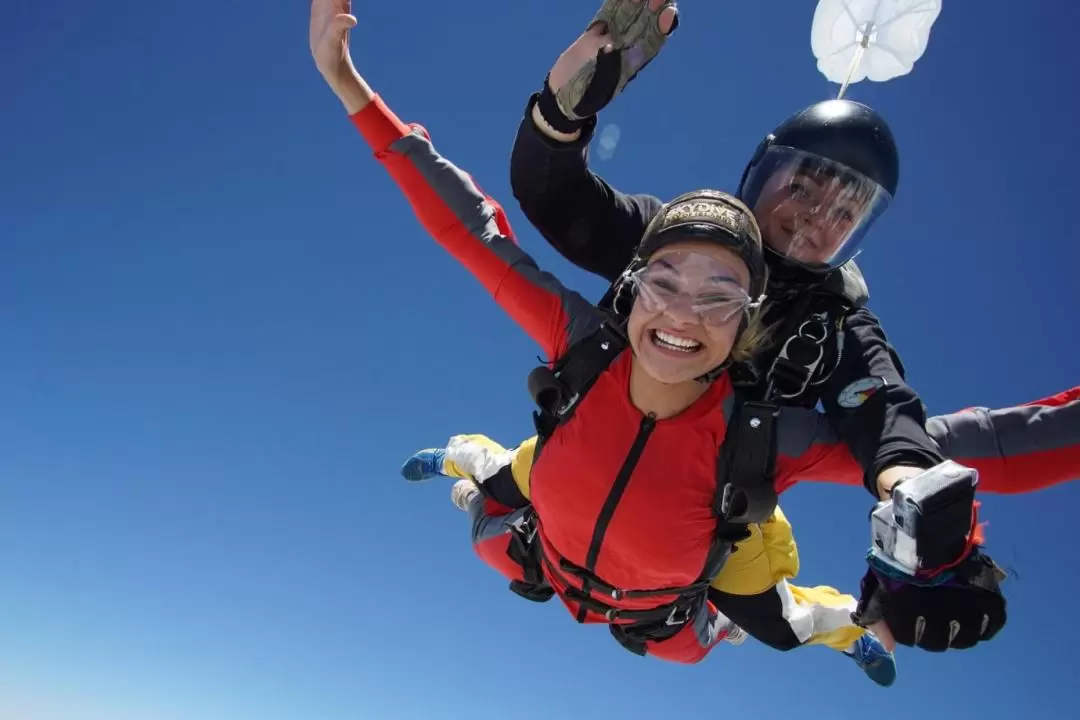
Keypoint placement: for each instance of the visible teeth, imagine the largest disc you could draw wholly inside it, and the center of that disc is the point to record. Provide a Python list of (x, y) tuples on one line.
[(676, 342)]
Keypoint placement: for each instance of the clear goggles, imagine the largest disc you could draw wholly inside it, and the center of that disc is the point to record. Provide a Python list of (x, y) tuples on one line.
[(692, 282), (811, 210)]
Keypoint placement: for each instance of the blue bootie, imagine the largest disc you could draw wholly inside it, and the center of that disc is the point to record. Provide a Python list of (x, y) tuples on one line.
[(873, 659), (424, 465)]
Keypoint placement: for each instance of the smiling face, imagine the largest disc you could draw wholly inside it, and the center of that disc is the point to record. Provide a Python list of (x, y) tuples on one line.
[(691, 298), (808, 216)]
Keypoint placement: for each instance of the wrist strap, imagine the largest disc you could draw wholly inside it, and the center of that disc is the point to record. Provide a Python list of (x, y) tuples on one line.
[(553, 114)]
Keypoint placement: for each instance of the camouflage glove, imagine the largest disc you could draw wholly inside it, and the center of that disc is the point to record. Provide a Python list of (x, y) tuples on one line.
[(634, 27)]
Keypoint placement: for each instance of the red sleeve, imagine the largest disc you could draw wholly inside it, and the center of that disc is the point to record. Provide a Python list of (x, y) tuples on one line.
[(474, 229), (808, 450), (1015, 449)]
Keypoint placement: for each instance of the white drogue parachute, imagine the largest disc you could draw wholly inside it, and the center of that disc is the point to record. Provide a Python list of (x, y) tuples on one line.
[(877, 39)]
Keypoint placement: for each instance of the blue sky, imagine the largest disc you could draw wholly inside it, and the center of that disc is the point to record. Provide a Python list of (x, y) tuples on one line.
[(224, 332)]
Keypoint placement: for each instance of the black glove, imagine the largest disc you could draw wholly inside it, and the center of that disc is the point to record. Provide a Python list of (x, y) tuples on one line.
[(962, 609)]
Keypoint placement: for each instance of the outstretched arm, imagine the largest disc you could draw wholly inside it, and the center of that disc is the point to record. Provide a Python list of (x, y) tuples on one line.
[(592, 224), (1016, 449), (450, 205), (875, 412)]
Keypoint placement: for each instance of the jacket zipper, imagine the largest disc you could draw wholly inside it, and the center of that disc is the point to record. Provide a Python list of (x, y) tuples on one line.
[(648, 423)]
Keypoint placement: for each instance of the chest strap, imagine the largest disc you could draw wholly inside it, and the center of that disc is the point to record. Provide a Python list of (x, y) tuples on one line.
[(557, 391), (746, 466)]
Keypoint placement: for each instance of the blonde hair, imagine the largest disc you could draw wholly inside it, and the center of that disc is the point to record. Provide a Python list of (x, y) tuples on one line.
[(755, 336)]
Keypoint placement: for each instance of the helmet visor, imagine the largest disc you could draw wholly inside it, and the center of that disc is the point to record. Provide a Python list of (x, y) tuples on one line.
[(813, 211)]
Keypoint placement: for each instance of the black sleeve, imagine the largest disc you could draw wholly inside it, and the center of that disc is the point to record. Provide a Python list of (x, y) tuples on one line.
[(889, 427), (587, 221), (760, 615), (503, 488)]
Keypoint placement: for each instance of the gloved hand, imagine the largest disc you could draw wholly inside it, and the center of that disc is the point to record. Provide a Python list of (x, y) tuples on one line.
[(623, 37), (963, 607), (930, 585)]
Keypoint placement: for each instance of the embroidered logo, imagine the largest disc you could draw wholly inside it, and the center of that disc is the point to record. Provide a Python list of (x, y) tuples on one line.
[(859, 392)]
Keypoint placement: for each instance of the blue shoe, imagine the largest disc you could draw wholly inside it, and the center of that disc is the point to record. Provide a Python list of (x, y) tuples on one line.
[(871, 656), (424, 465)]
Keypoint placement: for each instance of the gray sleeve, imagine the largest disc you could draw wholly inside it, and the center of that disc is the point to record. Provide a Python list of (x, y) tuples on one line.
[(1015, 449)]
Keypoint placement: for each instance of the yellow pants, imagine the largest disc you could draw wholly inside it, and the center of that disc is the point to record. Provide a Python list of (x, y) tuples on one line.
[(762, 565)]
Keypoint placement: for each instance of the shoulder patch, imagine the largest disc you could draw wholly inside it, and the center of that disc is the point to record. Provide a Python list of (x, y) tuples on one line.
[(858, 392)]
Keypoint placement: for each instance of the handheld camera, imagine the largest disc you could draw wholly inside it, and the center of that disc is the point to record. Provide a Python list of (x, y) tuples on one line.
[(927, 522)]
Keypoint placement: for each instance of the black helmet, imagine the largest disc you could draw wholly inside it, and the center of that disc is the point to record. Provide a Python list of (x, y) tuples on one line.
[(819, 180)]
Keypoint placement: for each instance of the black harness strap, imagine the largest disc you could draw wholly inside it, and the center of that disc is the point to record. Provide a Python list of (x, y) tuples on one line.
[(615, 593), (747, 464), (557, 391), (673, 613), (525, 551)]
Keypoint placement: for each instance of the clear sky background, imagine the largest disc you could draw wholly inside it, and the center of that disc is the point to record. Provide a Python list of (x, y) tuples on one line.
[(223, 332)]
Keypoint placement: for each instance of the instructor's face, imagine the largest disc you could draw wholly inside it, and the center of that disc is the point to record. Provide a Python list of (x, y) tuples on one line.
[(807, 217)]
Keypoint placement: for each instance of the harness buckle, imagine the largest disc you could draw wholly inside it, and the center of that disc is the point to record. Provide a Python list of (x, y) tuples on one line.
[(567, 406), (725, 500), (525, 527), (672, 620), (816, 323), (799, 359)]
